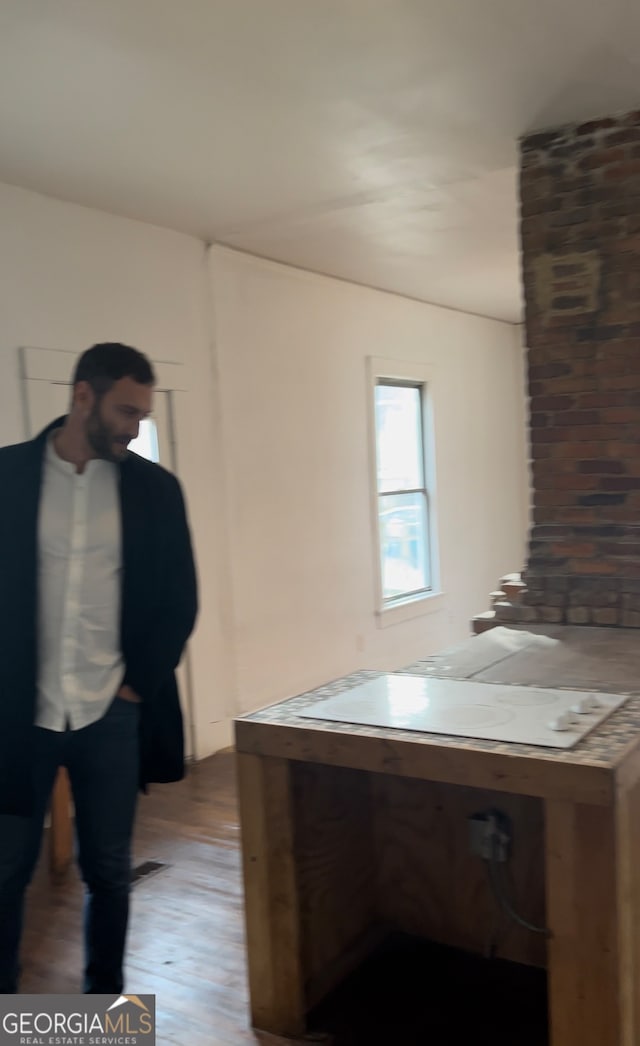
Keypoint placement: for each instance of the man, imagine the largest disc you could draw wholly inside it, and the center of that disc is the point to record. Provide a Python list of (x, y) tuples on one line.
[(97, 600)]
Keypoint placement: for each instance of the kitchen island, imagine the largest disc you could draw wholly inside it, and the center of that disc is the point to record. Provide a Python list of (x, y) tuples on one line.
[(350, 832)]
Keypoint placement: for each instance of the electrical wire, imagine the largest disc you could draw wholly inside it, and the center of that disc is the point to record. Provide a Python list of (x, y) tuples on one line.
[(505, 904)]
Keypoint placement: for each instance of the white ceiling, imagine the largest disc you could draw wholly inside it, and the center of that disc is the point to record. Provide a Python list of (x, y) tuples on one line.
[(371, 139)]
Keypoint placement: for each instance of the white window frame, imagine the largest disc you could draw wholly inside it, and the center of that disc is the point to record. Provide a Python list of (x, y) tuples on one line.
[(423, 375)]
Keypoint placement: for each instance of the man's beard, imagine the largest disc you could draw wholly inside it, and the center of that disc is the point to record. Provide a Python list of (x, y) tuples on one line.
[(101, 438)]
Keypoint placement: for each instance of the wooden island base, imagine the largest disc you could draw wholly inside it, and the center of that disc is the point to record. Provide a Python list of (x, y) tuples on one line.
[(352, 832)]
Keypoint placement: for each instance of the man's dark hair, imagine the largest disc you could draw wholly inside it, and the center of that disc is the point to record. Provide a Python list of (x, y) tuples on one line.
[(102, 365)]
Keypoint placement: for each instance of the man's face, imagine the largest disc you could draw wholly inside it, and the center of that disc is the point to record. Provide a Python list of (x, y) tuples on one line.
[(114, 420)]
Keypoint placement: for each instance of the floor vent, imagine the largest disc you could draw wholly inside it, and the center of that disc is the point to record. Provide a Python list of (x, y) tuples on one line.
[(146, 870)]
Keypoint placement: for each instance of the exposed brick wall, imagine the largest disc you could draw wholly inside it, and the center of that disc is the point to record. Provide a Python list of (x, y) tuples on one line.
[(580, 206)]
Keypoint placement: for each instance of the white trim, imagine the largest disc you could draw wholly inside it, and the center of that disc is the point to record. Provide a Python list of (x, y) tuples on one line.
[(410, 608), (56, 365), (424, 373)]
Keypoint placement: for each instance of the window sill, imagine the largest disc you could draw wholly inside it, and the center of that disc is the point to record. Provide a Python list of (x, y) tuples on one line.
[(421, 606)]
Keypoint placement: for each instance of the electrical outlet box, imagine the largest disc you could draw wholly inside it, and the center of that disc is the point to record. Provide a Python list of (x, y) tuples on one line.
[(490, 836)]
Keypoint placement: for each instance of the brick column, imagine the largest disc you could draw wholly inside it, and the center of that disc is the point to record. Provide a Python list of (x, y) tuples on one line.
[(580, 205)]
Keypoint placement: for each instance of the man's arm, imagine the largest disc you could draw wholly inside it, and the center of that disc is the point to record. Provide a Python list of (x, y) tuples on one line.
[(174, 615)]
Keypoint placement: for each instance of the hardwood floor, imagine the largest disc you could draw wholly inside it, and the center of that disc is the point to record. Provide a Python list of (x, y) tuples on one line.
[(186, 942), (186, 945)]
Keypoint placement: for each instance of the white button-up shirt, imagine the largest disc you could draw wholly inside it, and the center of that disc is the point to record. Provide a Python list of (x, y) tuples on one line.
[(79, 574)]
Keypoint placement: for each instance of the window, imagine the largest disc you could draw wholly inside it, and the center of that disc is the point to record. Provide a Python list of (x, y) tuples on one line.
[(404, 482), (146, 443)]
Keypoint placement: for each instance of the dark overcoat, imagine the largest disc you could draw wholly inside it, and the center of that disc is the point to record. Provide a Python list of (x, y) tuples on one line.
[(158, 612)]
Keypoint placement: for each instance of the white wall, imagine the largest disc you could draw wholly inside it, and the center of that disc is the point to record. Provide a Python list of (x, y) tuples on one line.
[(292, 351), (272, 437), (69, 277)]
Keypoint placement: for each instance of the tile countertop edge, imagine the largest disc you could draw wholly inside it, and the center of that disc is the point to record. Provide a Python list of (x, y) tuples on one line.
[(541, 776), (627, 766)]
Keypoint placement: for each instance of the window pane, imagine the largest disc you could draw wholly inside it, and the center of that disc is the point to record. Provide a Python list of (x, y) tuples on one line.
[(146, 445), (399, 437), (404, 544)]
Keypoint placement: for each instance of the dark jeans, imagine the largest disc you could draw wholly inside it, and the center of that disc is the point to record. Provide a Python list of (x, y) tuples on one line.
[(102, 761)]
